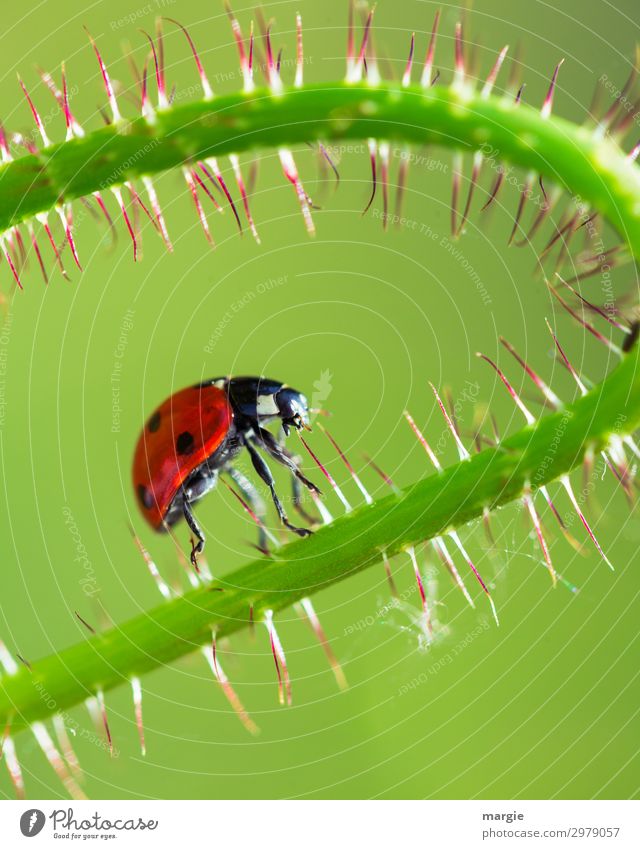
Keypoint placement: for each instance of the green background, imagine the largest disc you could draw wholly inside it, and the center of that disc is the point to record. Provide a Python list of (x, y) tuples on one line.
[(545, 706)]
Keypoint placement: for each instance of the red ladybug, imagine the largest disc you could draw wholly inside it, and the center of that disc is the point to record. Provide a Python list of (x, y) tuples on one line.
[(197, 433)]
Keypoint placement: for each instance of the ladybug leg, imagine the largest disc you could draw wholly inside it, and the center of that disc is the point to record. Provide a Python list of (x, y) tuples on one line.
[(265, 474), (296, 487), (253, 498), (196, 548), (265, 439)]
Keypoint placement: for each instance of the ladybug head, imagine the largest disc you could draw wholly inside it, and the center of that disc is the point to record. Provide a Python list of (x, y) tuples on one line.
[(293, 409)]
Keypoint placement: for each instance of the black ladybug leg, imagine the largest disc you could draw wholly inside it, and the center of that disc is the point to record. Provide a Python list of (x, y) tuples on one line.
[(296, 492), (196, 548), (296, 487), (253, 498), (265, 439), (265, 474)]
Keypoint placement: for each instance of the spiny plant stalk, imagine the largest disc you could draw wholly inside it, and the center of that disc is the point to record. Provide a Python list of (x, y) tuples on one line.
[(586, 162), (569, 155), (530, 459)]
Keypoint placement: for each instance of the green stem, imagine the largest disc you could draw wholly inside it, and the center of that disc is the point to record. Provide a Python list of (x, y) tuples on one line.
[(533, 457), (572, 156), (594, 171)]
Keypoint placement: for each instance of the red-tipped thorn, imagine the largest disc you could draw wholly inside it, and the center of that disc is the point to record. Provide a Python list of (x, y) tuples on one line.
[(105, 720), (43, 220), (319, 632), (406, 77), (569, 490), (272, 67), (572, 371), (462, 451), (163, 102), (493, 194), (227, 689), (235, 164), (535, 518), (284, 682), (385, 153), (475, 174), (56, 760), (549, 395), (327, 474), (136, 691), (416, 569), (7, 255), (157, 211), (548, 101), (443, 552), (421, 439), (62, 98), (213, 163), (425, 79), (46, 142), (118, 196), (529, 417), (367, 497), (191, 183), (459, 66), (66, 217), (113, 103), (456, 182), (385, 477), (5, 153), (205, 189), (401, 181), (620, 99), (365, 42), (66, 748), (373, 150), (524, 195), (582, 321), (204, 82), (493, 74), (291, 173), (387, 570), (458, 542), (8, 751), (298, 80), (84, 622), (246, 63), (110, 223), (163, 587), (544, 211), (587, 325)]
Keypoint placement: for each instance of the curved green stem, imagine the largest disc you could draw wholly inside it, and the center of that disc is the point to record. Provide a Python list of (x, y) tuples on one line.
[(531, 458), (590, 168), (595, 171)]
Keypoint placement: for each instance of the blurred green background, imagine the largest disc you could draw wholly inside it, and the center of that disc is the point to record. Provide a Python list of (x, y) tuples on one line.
[(545, 706)]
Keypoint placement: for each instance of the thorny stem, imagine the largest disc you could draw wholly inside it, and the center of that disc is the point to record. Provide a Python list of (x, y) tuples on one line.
[(591, 169), (537, 454), (594, 171)]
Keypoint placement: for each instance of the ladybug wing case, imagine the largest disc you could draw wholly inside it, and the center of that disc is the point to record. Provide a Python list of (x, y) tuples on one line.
[(181, 434)]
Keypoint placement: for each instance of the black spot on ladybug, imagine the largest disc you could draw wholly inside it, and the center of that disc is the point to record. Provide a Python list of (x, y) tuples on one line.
[(145, 496), (154, 422), (184, 443)]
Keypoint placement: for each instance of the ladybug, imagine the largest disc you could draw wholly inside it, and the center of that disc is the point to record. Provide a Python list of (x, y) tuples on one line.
[(197, 433)]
